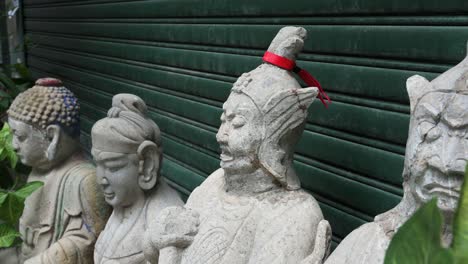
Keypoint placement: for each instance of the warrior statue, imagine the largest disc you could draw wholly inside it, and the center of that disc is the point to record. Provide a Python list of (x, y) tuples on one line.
[(436, 156), (252, 209)]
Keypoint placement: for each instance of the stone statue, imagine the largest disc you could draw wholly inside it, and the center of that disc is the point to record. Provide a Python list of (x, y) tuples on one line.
[(252, 210), (62, 219), (128, 154), (436, 156)]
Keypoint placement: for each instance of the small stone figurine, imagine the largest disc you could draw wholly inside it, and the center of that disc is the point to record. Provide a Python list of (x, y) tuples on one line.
[(128, 153), (252, 210), (436, 156), (62, 219)]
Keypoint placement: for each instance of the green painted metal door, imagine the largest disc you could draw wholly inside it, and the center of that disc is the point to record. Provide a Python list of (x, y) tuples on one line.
[(182, 57)]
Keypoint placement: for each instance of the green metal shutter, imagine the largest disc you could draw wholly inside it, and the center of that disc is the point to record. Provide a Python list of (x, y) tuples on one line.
[(182, 56)]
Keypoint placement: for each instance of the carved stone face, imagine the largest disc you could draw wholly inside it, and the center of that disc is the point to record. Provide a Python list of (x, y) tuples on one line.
[(29, 143), (240, 135), (440, 158), (118, 176)]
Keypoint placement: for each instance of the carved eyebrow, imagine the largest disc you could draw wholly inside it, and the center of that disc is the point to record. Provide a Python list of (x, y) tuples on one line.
[(455, 122), (115, 162), (428, 109), (106, 156), (242, 110), (230, 114)]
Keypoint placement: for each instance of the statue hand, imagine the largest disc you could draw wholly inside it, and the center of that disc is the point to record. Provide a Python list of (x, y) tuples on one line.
[(33, 260), (175, 227), (321, 245)]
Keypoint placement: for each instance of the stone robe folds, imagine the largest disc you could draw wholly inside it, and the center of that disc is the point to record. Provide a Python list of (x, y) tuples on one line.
[(120, 243), (267, 229), (63, 218)]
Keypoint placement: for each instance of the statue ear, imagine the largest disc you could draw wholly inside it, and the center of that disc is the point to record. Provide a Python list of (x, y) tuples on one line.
[(149, 164), (53, 136), (416, 86)]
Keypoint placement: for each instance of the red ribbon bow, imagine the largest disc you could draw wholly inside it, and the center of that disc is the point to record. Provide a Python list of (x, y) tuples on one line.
[(290, 65)]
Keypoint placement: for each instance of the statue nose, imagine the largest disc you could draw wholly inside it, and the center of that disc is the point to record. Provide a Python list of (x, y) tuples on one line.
[(222, 135), (104, 181), (452, 156)]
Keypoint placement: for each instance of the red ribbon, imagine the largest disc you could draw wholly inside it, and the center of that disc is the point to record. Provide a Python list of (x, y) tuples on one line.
[(290, 65)]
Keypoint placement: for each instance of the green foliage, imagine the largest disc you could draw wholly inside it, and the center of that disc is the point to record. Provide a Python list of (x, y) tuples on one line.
[(11, 209), (10, 87), (460, 225), (418, 241), (11, 200), (6, 148), (8, 235)]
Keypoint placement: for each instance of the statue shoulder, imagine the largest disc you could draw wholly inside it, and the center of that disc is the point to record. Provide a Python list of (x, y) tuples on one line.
[(215, 180), (295, 202), (367, 244), (208, 188), (297, 205), (162, 197), (84, 196)]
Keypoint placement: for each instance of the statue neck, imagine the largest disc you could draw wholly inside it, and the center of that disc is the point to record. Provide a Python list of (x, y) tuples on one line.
[(129, 213), (409, 205), (246, 184), (48, 167)]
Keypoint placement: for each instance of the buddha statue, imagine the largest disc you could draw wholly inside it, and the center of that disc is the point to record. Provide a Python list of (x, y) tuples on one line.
[(126, 146), (252, 209), (63, 218), (436, 156)]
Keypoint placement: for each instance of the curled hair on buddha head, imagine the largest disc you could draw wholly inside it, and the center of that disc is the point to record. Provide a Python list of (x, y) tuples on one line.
[(48, 102)]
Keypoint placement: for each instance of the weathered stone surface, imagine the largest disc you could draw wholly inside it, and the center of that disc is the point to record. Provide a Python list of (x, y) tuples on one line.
[(436, 156), (62, 219), (128, 153), (252, 210)]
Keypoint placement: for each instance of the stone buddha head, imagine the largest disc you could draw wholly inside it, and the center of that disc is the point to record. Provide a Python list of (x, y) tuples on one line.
[(437, 146), (264, 116), (126, 146), (45, 124)]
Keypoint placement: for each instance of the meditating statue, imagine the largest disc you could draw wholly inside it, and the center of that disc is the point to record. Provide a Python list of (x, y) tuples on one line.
[(252, 210), (63, 218), (436, 156), (128, 154)]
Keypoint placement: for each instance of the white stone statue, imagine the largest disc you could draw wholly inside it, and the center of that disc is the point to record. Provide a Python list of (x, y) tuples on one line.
[(128, 154), (252, 210), (436, 156), (62, 219)]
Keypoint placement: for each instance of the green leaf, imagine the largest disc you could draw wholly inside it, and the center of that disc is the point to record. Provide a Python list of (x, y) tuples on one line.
[(7, 149), (8, 83), (28, 189), (8, 235), (460, 225), (3, 153), (3, 196), (418, 240), (4, 103), (23, 71), (4, 94), (11, 154), (12, 209), (22, 87)]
